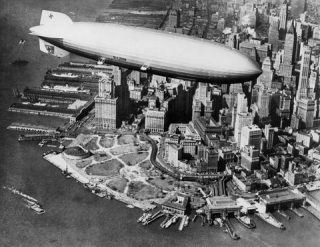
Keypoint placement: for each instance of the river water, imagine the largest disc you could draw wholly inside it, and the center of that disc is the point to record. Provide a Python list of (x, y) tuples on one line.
[(74, 217)]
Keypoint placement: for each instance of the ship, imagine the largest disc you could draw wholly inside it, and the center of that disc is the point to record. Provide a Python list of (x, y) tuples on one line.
[(269, 218), (35, 206), (65, 75)]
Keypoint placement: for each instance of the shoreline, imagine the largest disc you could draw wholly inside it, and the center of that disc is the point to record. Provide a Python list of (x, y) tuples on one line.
[(60, 163)]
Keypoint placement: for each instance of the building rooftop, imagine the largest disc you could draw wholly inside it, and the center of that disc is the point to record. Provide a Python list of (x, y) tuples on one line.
[(277, 196)]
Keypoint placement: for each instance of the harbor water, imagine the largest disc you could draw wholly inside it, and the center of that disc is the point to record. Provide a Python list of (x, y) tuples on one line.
[(74, 217)]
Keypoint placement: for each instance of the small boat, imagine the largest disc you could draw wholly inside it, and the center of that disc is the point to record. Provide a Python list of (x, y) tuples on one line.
[(130, 206), (35, 206)]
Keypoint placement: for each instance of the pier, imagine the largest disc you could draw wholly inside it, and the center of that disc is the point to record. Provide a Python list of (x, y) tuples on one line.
[(31, 128)]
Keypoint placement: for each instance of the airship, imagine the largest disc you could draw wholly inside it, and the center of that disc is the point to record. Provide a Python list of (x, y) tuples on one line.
[(143, 49)]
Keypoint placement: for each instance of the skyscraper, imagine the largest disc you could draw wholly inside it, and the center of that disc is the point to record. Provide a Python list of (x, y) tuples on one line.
[(106, 105), (273, 36), (269, 134), (283, 19), (289, 46), (242, 119), (251, 135), (304, 73)]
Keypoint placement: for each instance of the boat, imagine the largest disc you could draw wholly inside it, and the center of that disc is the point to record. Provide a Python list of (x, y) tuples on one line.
[(35, 206), (163, 223), (246, 221), (130, 206), (169, 222), (186, 222), (267, 217), (181, 225), (66, 75), (153, 217), (141, 218), (148, 215)]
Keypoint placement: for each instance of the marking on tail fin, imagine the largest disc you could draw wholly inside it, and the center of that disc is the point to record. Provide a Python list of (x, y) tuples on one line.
[(54, 18)]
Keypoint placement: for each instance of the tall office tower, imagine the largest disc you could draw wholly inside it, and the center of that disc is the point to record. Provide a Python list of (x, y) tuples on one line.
[(155, 120), (208, 109), (283, 19), (269, 134), (196, 109), (242, 103), (135, 76), (106, 105), (229, 100), (264, 102), (250, 158), (313, 81), (290, 46), (305, 111), (202, 91), (316, 32), (117, 75), (251, 135), (267, 75), (297, 7), (284, 106), (304, 72), (273, 36), (236, 88), (202, 102), (242, 119)]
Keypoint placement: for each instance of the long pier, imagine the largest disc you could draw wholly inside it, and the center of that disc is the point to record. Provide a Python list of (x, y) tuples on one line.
[(31, 128)]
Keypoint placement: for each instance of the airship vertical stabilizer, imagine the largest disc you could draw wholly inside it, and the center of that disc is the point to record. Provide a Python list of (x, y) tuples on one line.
[(54, 18)]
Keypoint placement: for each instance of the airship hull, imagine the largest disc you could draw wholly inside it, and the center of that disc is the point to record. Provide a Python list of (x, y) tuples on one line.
[(152, 51)]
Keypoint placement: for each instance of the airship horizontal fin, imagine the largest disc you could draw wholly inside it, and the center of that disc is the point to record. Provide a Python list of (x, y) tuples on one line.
[(54, 18), (51, 49)]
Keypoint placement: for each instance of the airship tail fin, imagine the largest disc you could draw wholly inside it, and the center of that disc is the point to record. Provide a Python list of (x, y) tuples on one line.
[(54, 18), (51, 49)]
